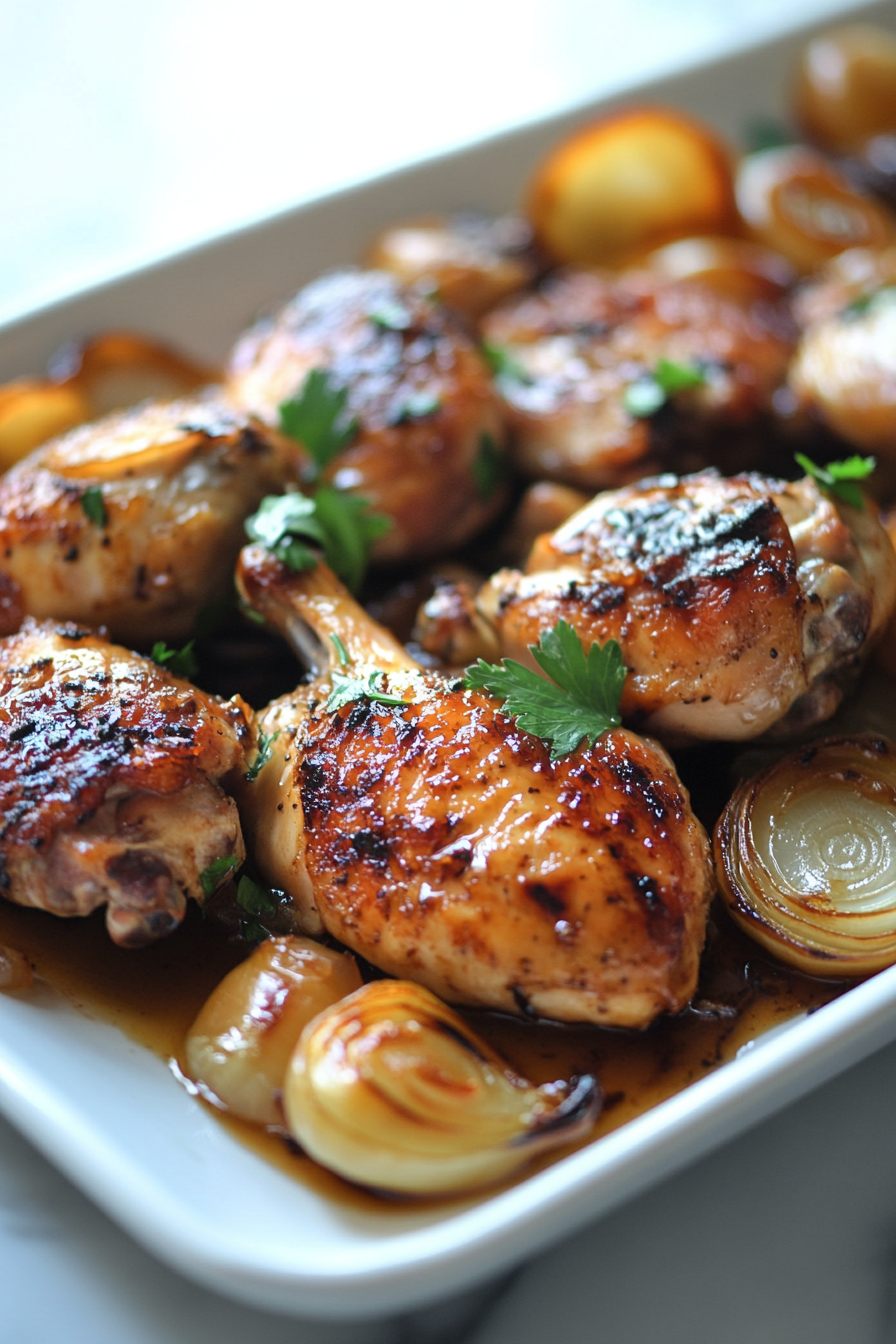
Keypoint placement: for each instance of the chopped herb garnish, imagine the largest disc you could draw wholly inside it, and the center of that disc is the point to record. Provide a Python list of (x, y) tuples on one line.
[(839, 478), (265, 743), (391, 316), (182, 662), (210, 877), (580, 701), (251, 614), (342, 525), (253, 932), (504, 365), (766, 133), (255, 900), (860, 305), (94, 506), (489, 467), (316, 418), (341, 650), (416, 407), (647, 394), (346, 689)]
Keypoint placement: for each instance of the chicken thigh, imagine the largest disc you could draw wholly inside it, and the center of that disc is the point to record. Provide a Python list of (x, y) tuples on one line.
[(415, 822), (111, 774), (135, 521), (427, 430), (740, 604), (577, 359)]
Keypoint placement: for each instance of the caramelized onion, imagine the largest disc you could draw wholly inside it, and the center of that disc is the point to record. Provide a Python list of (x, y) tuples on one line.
[(806, 856), (239, 1046), (392, 1089)]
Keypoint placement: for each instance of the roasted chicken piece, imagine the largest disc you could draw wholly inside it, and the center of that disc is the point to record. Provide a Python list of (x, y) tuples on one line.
[(844, 370), (134, 521), (435, 838), (428, 429), (576, 358), (471, 261), (111, 782), (740, 604)]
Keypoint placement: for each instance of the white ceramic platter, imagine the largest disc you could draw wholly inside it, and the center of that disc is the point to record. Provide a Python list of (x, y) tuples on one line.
[(109, 1113)]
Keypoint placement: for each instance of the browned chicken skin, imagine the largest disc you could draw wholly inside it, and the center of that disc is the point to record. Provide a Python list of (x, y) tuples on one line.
[(738, 603), (134, 521), (110, 781), (429, 427), (575, 346), (439, 841)]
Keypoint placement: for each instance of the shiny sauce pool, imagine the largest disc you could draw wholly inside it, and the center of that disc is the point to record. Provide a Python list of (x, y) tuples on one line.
[(153, 995)]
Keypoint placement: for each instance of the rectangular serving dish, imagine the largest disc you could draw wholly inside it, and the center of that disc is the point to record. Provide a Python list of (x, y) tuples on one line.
[(109, 1114)]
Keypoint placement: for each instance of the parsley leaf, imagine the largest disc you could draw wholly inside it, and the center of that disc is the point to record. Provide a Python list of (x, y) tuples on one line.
[(489, 467), (347, 689), (182, 662), (647, 394), (860, 305), (341, 650), (94, 506), (504, 365), (265, 742), (316, 418), (210, 877), (391, 316), (839, 478), (416, 407), (342, 525), (580, 701), (766, 133), (255, 900)]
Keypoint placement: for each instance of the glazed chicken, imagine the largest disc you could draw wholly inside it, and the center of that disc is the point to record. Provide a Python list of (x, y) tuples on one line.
[(844, 370), (135, 521), (470, 260), (111, 782), (572, 355), (438, 840), (740, 604), (428, 430)]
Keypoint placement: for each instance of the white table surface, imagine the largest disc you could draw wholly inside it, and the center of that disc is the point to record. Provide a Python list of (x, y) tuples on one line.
[(128, 131)]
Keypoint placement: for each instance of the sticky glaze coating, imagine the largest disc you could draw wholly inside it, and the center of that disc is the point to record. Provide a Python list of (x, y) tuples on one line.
[(439, 841), (110, 772), (736, 602), (174, 481), (418, 387), (583, 338)]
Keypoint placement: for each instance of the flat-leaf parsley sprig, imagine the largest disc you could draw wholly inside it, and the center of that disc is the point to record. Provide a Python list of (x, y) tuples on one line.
[(316, 418), (581, 700), (840, 478), (340, 525), (652, 390)]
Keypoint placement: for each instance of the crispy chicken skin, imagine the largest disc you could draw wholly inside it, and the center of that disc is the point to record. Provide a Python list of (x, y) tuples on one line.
[(135, 521), (110, 781), (740, 604), (440, 842), (583, 338), (429, 425)]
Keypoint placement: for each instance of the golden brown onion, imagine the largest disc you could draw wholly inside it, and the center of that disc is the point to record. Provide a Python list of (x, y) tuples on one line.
[(239, 1046), (392, 1089), (795, 203), (845, 87), (806, 856)]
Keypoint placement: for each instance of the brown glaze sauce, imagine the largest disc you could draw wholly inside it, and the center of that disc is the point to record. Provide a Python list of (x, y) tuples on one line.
[(153, 994)]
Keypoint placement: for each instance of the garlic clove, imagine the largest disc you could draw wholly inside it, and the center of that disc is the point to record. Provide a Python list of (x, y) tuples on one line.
[(806, 856), (393, 1090), (239, 1046)]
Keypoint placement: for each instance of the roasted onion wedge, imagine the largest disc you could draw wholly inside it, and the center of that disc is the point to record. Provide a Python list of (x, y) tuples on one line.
[(806, 856), (239, 1046), (392, 1089)]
